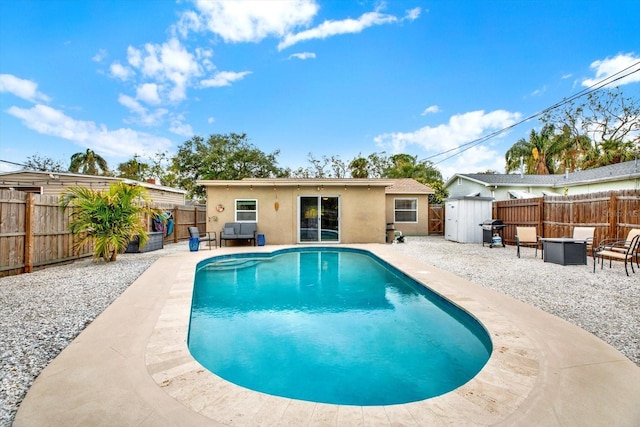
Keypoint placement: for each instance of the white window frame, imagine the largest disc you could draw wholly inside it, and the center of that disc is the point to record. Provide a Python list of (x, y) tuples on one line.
[(235, 207), (396, 210)]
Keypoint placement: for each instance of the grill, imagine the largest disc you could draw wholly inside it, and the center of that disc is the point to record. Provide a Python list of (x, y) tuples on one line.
[(492, 232)]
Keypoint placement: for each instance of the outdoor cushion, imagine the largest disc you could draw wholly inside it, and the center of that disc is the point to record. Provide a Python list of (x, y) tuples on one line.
[(229, 231)]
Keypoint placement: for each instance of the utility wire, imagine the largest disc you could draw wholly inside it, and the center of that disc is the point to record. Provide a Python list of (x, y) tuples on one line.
[(593, 88)]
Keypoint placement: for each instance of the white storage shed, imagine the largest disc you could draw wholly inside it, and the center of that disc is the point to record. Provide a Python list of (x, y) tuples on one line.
[(463, 216)]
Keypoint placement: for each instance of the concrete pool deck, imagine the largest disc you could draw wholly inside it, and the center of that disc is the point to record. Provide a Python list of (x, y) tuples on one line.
[(131, 367)]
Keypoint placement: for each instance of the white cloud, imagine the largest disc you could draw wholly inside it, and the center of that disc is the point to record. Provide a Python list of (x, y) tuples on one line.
[(25, 89), (189, 22), (224, 78), (332, 28), (250, 21), (539, 92), (168, 62), (121, 72), (120, 143), (181, 129), (607, 67), (431, 110), (142, 115), (461, 129), (100, 56), (211, 120), (303, 55), (413, 14), (149, 93)]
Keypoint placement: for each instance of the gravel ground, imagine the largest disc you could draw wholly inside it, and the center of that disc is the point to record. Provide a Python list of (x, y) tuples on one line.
[(40, 313)]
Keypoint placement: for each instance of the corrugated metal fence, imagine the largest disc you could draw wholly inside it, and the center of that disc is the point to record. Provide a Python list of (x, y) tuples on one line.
[(34, 231)]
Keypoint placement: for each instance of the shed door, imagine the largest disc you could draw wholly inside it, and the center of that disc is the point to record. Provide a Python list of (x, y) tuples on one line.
[(451, 221), (319, 219)]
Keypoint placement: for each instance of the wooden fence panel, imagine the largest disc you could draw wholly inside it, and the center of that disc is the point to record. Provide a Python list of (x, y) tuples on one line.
[(436, 219), (13, 205), (613, 214), (520, 212), (34, 232)]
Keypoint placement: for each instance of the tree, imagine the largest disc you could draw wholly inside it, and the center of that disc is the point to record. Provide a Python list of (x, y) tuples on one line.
[(44, 164), (88, 163), (608, 153), (407, 166), (134, 169), (228, 156), (359, 167), (605, 119), (110, 218), (440, 194), (540, 153)]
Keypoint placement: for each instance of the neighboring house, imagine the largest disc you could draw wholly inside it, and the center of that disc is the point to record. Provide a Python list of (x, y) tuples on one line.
[(620, 176), (55, 183), (293, 210)]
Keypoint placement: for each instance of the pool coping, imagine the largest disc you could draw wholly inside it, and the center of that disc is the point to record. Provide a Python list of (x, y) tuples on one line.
[(132, 366)]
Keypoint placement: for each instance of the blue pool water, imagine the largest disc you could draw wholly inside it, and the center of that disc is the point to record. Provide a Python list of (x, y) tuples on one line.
[(330, 325)]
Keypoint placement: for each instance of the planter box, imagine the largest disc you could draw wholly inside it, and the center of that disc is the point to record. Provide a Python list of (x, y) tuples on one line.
[(156, 241)]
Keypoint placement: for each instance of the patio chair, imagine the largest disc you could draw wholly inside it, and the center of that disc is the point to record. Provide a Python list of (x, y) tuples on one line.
[(202, 237), (621, 250), (622, 246), (586, 234), (527, 237)]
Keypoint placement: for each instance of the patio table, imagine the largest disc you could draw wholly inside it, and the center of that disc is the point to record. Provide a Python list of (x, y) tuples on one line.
[(564, 250)]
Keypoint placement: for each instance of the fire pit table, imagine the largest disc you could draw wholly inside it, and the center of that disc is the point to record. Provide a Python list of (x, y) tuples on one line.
[(564, 251)]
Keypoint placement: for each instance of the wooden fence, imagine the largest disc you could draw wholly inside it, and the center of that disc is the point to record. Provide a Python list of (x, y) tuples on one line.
[(34, 232), (436, 219), (612, 213)]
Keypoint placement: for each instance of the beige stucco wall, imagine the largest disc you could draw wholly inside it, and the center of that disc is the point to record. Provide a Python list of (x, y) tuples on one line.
[(362, 211), (420, 228)]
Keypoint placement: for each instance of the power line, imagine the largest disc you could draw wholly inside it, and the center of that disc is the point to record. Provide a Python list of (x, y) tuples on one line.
[(593, 88)]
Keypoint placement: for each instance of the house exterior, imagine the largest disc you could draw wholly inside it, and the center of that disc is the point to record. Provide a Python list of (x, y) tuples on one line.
[(299, 211), (620, 176), (54, 184)]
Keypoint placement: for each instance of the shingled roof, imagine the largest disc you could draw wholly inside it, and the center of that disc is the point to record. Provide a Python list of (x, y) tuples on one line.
[(618, 171), (408, 186)]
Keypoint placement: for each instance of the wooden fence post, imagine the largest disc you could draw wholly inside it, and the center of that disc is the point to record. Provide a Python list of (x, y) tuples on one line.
[(613, 218), (29, 225), (175, 224), (541, 216)]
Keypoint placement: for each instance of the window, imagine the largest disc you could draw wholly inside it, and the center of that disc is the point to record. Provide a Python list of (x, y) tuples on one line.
[(246, 210), (406, 210)]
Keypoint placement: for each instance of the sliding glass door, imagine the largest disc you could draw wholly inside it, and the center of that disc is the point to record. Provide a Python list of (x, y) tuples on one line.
[(319, 219)]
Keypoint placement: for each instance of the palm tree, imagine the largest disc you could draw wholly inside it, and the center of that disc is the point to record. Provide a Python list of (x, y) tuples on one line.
[(608, 153), (573, 148), (358, 168), (88, 163), (541, 153), (110, 218)]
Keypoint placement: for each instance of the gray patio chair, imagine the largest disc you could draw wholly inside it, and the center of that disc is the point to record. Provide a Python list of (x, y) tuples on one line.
[(203, 237)]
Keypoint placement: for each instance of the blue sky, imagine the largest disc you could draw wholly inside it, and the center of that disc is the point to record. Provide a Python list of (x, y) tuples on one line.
[(331, 78)]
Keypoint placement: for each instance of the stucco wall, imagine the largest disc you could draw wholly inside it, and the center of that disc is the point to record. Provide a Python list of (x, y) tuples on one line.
[(420, 228), (362, 212)]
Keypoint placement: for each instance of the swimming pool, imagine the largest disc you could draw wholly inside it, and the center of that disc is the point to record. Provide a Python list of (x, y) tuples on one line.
[(330, 325)]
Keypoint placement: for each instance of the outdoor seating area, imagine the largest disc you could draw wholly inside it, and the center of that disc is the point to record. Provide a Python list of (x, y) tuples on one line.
[(627, 251), (238, 231), (527, 237), (209, 237)]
